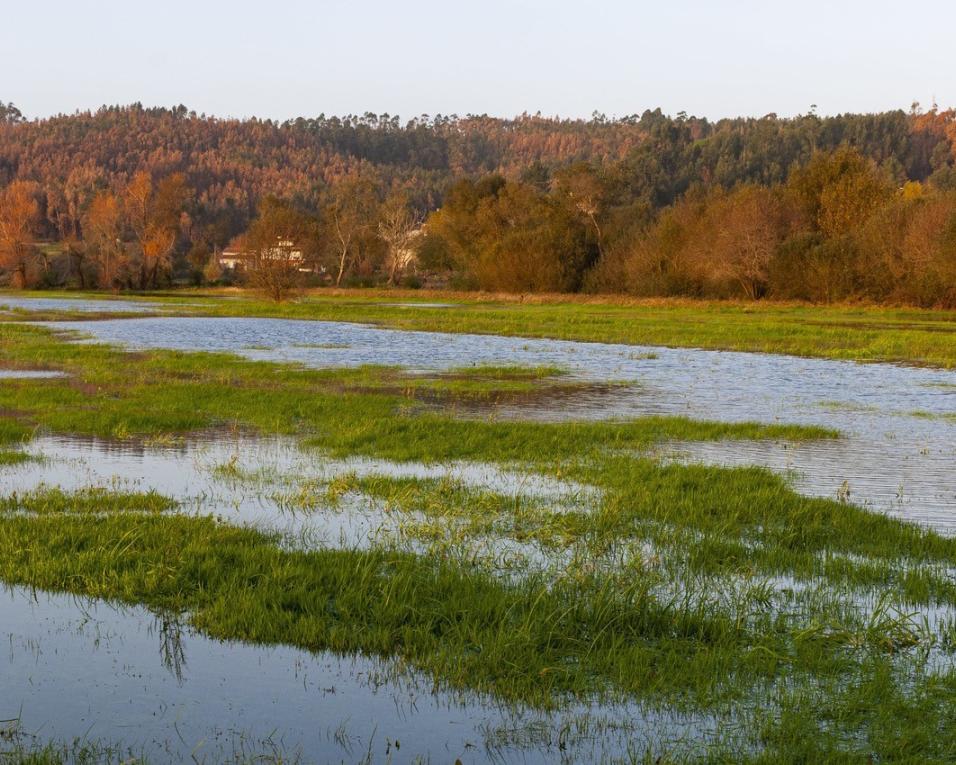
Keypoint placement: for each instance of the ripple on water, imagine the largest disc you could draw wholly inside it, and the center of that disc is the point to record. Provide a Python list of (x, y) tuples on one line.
[(258, 471), (899, 423), (80, 305), (88, 670)]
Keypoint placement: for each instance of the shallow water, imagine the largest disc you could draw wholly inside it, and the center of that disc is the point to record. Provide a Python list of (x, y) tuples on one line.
[(73, 668), (259, 474), (100, 672), (898, 454), (420, 305), (29, 374), (81, 305)]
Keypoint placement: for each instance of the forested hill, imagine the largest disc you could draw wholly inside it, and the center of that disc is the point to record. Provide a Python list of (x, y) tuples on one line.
[(231, 163), (815, 208)]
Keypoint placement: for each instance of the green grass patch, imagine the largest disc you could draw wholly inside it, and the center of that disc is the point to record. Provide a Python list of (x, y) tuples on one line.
[(113, 394), (682, 587), (9, 457), (858, 333)]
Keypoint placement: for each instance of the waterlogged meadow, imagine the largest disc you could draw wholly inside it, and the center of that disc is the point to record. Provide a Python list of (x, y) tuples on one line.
[(273, 540)]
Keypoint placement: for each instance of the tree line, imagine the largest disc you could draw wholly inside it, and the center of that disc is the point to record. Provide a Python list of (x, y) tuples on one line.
[(816, 208)]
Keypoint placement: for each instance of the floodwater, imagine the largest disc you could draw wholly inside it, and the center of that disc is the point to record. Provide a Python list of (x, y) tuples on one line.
[(257, 482), (88, 670), (106, 673), (898, 453), (29, 374), (80, 305), (420, 305)]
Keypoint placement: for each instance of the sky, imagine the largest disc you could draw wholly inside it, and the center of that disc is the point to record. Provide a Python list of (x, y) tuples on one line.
[(285, 58)]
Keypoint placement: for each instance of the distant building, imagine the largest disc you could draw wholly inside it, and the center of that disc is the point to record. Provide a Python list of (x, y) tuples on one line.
[(230, 259), (236, 257), (406, 256)]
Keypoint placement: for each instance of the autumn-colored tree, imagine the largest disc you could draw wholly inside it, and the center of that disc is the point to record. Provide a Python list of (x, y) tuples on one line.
[(837, 191), (455, 229), (531, 243), (745, 228), (19, 217), (911, 251), (102, 233), (848, 201), (152, 210), (584, 189), (282, 243), (663, 260), (510, 236)]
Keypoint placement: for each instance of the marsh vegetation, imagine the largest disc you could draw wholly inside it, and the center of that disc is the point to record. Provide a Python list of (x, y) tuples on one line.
[(499, 542)]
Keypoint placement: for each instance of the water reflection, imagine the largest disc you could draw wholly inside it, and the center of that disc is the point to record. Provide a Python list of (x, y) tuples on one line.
[(91, 671), (80, 305), (172, 648), (899, 422), (266, 483)]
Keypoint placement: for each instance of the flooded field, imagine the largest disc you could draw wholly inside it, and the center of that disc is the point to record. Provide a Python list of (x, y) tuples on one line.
[(76, 669), (898, 454), (80, 305), (265, 483), (669, 612)]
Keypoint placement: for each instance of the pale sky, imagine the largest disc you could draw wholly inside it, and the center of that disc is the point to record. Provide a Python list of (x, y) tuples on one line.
[(285, 58)]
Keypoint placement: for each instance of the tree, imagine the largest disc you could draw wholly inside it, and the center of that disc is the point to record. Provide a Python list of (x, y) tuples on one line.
[(282, 244), (849, 200), (66, 204), (102, 233), (19, 217), (9, 114), (351, 213), (153, 211), (398, 227), (836, 191), (746, 229), (585, 190)]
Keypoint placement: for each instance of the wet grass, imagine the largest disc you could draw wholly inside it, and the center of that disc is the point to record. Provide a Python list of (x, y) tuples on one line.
[(113, 394), (10, 457), (76, 753), (852, 332), (469, 630), (89, 501), (689, 623), (817, 630)]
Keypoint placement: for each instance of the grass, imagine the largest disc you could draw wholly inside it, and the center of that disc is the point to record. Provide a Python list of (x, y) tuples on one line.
[(9, 457), (802, 623), (848, 332), (109, 393), (619, 630), (90, 501), (74, 753)]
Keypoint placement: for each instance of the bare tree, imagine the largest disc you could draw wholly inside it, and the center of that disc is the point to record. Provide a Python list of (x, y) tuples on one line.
[(351, 215), (281, 243), (749, 226), (398, 226)]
